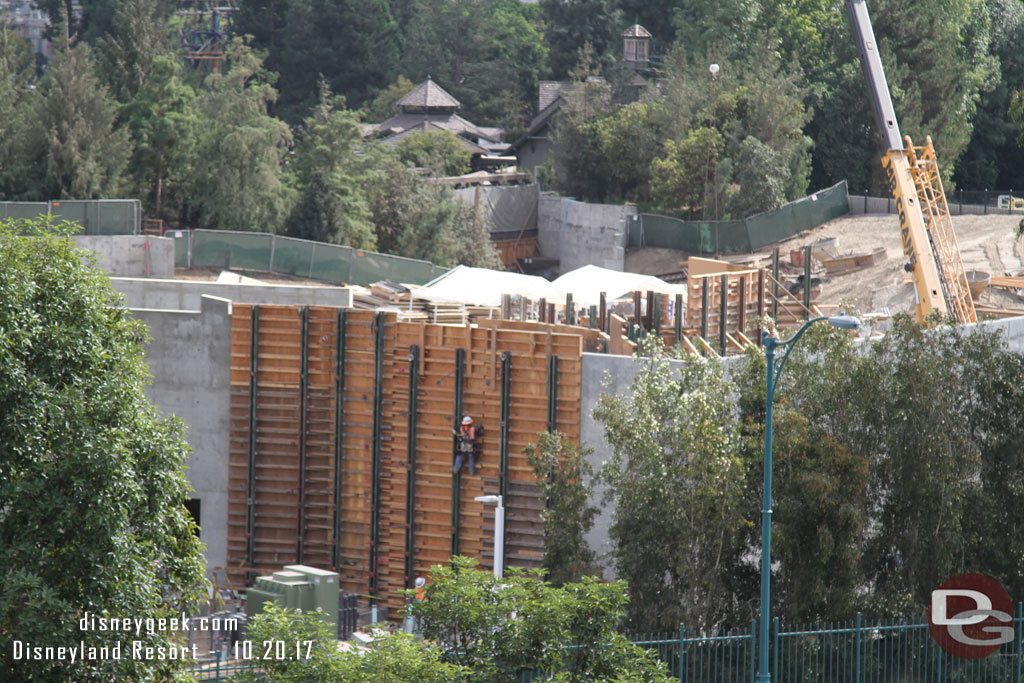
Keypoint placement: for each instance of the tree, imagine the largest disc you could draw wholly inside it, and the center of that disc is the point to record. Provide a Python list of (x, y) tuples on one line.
[(418, 219), (127, 57), (331, 173), (81, 153), (679, 178), (572, 25), (676, 478), (502, 628), (563, 475), (164, 121), (487, 54), (385, 104), (238, 183), (17, 103), (353, 44), (92, 496), (440, 152)]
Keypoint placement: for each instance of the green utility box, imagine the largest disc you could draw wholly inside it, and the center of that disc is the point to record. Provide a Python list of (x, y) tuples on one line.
[(296, 587)]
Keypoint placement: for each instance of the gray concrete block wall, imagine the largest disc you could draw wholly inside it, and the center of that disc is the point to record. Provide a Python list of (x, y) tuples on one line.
[(580, 234), (189, 358), (185, 295), (130, 255)]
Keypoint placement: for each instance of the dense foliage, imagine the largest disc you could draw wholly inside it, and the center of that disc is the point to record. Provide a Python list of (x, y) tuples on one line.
[(231, 146), (92, 481), (501, 628), (896, 465)]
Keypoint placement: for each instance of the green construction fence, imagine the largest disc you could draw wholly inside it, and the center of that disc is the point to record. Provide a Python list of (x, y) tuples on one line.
[(95, 216), (262, 251), (756, 232)]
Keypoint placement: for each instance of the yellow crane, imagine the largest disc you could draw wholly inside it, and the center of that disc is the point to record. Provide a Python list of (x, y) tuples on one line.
[(926, 228)]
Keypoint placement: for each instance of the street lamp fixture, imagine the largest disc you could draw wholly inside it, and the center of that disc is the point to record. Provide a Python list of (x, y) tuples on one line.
[(773, 370), (499, 532)]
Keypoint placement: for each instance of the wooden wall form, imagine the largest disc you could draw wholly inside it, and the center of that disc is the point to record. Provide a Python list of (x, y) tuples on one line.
[(286, 513)]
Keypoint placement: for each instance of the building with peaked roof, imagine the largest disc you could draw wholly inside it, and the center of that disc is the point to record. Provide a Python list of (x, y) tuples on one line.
[(534, 147), (428, 108)]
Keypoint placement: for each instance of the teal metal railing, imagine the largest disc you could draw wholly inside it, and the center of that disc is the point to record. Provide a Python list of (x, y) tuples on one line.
[(855, 651)]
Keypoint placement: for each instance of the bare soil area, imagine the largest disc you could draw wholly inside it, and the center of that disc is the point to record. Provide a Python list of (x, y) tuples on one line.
[(987, 243)]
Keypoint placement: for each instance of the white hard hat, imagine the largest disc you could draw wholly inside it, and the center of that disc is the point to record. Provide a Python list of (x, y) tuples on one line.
[(467, 420), (420, 582)]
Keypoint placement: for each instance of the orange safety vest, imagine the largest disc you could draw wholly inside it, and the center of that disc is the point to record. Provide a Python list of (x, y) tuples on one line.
[(420, 594), (468, 432)]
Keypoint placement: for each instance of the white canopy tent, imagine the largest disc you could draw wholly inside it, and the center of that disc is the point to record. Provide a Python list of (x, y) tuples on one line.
[(586, 284), (484, 287)]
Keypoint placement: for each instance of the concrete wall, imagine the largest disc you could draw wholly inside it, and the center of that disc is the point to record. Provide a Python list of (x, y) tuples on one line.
[(580, 234), (131, 255), (190, 360), (184, 295), (620, 371)]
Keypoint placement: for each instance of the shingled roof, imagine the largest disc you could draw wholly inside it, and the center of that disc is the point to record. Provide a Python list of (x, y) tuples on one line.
[(636, 31), (428, 95)]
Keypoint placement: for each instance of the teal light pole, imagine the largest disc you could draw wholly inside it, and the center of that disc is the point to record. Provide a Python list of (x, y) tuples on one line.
[(774, 369)]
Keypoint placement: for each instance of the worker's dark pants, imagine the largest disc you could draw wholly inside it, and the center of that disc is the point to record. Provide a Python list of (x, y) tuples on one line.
[(472, 462)]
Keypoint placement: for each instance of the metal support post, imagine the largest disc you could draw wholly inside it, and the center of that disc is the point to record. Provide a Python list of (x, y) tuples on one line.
[(339, 441), (410, 474), (460, 373)]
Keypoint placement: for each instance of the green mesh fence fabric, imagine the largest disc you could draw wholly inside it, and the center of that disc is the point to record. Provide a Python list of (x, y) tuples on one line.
[(331, 263), (740, 236), (181, 241), (292, 256), (303, 258), (20, 210), (221, 249)]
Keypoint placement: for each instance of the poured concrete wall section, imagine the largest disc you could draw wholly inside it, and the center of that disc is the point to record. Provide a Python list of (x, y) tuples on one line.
[(189, 356), (184, 295), (581, 234), (131, 255)]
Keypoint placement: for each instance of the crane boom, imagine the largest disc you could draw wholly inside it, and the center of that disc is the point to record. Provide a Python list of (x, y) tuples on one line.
[(926, 230)]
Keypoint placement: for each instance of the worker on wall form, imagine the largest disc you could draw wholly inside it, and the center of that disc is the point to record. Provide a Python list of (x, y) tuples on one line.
[(465, 446)]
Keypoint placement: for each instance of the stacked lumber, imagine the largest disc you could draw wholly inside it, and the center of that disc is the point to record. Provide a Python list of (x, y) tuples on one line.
[(854, 261), (321, 404), (402, 300)]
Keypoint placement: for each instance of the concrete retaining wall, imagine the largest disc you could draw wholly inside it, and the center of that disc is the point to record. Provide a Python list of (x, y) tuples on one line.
[(131, 255), (184, 295), (190, 360), (580, 234)]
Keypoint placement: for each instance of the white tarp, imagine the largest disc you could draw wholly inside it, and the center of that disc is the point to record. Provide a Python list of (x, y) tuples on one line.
[(484, 287), (587, 283)]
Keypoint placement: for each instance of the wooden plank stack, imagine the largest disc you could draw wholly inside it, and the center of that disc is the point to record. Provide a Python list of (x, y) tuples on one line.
[(285, 440)]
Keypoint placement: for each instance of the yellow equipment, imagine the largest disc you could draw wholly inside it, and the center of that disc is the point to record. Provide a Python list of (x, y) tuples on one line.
[(913, 176)]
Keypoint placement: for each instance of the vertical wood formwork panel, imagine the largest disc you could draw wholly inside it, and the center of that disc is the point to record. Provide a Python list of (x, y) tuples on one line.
[(238, 455), (281, 431), (276, 470), (357, 452), (319, 438)]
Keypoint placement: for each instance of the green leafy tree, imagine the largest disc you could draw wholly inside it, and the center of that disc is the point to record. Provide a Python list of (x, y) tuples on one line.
[(501, 628), (238, 182), (385, 104), (17, 105), (676, 478), (488, 55), (92, 490), (759, 175), (353, 44), (563, 474), (681, 177), (331, 173), (572, 25), (80, 151), (419, 219), (164, 121), (440, 152), (127, 57)]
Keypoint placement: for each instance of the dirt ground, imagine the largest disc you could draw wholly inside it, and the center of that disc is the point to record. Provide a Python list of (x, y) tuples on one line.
[(986, 243)]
